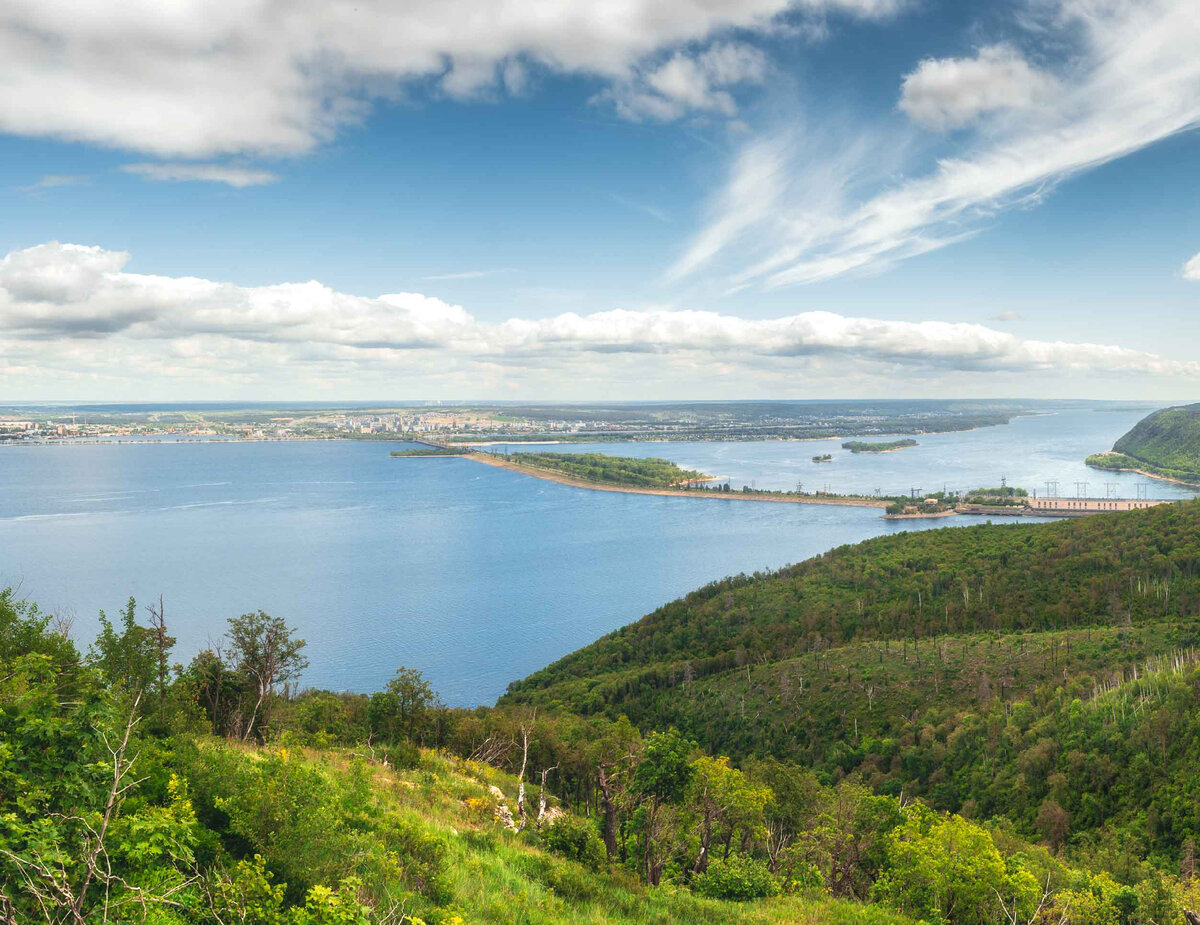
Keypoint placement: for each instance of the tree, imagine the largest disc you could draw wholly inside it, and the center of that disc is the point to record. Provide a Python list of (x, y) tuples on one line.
[(1053, 822), (216, 687), (946, 869), (126, 657), (660, 781), (402, 710), (725, 802), (162, 651), (264, 649)]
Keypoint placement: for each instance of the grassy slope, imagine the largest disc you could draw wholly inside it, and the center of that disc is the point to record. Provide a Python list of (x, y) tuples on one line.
[(494, 875), (1165, 443)]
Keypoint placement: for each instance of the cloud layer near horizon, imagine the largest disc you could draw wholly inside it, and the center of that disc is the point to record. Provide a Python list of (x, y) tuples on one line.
[(75, 307)]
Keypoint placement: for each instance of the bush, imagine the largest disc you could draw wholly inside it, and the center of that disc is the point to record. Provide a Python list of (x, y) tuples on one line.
[(402, 755), (575, 838), (740, 877)]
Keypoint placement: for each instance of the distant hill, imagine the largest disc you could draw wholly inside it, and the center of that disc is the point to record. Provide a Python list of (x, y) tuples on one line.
[(1166, 444)]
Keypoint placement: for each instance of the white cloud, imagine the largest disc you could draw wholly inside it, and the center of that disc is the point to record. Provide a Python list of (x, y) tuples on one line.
[(77, 309), (687, 83), (55, 181), (202, 173), (1133, 79), (196, 78), (1191, 269), (1009, 315), (952, 92)]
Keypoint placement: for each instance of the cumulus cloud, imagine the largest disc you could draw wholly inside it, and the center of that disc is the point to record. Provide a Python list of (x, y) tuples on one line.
[(1132, 79), (1191, 269), (202, 77), (78, 308), (202, 173), (952, 92), (689, 83)]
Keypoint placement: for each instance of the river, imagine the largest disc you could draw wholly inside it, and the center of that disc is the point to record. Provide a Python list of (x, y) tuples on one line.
[(475, 575)]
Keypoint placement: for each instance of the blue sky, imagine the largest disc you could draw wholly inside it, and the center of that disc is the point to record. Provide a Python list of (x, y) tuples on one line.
[(613, 200)]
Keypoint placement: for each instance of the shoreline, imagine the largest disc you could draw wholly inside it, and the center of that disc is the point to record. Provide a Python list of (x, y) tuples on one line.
[(561, 479), (1149, 475), (919, 516)]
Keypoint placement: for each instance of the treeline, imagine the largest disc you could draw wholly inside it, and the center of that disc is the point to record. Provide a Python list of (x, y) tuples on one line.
[(134, 792), (648, 472)]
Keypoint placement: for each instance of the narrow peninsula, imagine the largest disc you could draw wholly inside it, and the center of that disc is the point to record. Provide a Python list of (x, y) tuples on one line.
[(650, 476)]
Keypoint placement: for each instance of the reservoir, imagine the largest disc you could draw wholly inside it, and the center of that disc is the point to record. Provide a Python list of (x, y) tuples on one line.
[(475, 575)]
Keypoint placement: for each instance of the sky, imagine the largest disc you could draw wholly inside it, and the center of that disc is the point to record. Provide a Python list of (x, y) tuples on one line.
[(617, 199)]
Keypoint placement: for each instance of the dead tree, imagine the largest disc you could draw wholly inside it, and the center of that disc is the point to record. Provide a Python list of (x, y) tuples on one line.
[(162, 647)]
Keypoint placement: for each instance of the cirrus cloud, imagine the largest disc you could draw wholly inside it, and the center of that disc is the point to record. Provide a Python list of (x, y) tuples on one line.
[(789, 216), (202, 173)]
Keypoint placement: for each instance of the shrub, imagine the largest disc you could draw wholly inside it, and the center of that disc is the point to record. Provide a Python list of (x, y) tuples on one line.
[(575, 838), (402, 755), (739, 877)]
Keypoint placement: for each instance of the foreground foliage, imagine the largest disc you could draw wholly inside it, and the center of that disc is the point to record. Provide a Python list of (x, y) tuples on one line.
[(828, 785)]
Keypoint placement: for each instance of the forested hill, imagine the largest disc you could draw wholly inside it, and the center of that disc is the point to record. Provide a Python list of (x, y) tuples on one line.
[(1047, 676), (1101, 571), (1166, 443)]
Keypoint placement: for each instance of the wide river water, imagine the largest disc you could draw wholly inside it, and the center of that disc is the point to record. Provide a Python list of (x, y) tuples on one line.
[(473, 574)]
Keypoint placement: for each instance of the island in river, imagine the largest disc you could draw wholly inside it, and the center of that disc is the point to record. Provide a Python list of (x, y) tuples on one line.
[(862, 446)]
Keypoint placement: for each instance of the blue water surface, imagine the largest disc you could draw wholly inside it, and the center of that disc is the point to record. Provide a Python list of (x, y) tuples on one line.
[(474, 575)]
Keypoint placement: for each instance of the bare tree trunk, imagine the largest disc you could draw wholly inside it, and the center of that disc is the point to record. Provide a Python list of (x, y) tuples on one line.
[(542, 796), (610, 815), (121, 768), (525, 729)]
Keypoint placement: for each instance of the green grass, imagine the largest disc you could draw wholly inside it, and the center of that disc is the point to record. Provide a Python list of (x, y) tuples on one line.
[(494, 875)]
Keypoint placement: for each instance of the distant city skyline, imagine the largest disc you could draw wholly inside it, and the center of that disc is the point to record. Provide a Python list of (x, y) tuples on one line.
[(660, 199)]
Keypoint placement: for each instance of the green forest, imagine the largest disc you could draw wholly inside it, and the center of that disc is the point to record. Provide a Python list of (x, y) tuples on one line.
[(1165, 443), (635, 472), (862, 446), (991, 724), (431, 451)]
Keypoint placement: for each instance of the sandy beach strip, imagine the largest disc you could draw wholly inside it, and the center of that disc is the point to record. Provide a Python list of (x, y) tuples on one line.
[(562, 479)]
